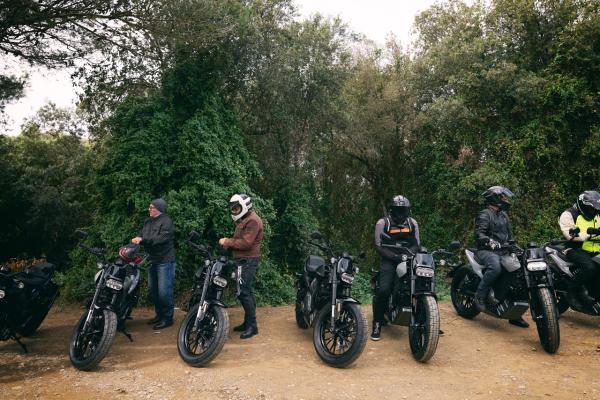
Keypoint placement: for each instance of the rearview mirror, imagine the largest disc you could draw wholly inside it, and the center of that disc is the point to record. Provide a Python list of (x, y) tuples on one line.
[(362, 255), (81, 233), (455, 245), (316, 235)]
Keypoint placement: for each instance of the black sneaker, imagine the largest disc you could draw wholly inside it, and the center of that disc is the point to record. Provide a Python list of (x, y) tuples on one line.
[(376, 334)]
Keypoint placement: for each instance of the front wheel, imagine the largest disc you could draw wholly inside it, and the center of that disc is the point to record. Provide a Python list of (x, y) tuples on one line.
[(88, 348), (424, 333), (342, 346), (546, 319), (200, 345)]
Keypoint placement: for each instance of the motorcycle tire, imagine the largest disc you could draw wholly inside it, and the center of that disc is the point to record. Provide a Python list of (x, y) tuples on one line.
[(104, 323), (352, 322), (212, 331), (463, 304), (424, 334), (547, 319)]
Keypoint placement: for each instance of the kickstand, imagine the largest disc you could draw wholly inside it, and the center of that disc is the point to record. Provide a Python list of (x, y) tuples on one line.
[(21, 344), (124, 332)]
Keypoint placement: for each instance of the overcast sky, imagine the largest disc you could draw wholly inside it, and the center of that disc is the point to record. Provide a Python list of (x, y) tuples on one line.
[(375, 18)]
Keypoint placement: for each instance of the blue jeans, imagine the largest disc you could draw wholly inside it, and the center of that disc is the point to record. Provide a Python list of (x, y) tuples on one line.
[(160, 285)]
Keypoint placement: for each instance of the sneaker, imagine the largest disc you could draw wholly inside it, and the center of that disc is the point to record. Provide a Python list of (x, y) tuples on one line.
[(376, 334)]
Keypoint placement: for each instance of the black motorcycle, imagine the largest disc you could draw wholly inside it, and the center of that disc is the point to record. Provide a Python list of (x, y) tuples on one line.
[(525, 282), (117, 293), (25, 299), (413, 301), (562, 274), (204, 329), (324, 301)]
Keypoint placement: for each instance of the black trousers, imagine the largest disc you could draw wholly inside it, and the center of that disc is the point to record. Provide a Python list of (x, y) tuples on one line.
[(386, 284), (493, 269), (245, 277), (583, 260)]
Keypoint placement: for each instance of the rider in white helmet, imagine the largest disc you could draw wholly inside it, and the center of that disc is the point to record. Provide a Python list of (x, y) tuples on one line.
[(245, 244)]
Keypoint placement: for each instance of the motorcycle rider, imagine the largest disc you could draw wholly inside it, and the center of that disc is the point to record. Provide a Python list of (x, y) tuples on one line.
[(245, 244), (492, 231), (585, 215), (395, 227), (158, 238)]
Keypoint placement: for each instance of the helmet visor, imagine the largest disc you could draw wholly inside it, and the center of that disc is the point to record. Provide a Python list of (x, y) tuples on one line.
[(235, 208)]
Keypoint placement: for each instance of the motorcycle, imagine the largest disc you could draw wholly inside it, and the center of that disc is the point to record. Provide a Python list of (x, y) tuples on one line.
[(525, 282), (204, 329), (413, 301), (562, 273), (117, 293), (324, 301), (25, 299)]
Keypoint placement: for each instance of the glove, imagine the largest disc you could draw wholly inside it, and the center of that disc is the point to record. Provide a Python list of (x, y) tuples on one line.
[(574, 232), (494, 245), (593, 231)]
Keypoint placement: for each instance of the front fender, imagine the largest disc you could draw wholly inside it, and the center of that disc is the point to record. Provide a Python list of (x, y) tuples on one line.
[(347, 300)]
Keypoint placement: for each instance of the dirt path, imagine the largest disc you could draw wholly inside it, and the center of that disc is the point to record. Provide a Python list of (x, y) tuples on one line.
[(479, 359)]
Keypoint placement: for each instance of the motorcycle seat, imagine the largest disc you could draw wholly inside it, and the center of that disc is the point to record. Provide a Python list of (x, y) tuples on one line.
[(315, 265), (36, 275), (474, 262)]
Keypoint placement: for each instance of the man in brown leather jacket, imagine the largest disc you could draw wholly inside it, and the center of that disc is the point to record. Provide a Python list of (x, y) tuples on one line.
[(245, 245)]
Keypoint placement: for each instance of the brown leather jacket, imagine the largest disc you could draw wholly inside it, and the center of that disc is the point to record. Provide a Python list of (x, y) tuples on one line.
[(246, 239)]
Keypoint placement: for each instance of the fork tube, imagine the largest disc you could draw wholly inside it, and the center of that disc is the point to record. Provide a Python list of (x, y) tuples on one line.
[(333, 295), (200, 314), (93, 303)]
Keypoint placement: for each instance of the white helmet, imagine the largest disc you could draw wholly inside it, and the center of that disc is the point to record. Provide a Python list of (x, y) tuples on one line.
[(241, 201)]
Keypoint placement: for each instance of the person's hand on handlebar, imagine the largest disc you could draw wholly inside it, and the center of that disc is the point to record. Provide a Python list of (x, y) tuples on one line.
[(136, 240), (593, 231)]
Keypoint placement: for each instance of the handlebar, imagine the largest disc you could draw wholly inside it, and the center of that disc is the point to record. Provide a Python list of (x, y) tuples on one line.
[(398, 246)]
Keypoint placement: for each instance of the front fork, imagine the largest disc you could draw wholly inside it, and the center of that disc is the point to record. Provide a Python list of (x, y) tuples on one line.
[(90, 314), (336, 306), (203, 306)]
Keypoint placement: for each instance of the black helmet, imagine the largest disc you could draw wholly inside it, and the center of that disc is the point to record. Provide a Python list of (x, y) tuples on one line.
[(498, 196), (399, 208), (588, 204)]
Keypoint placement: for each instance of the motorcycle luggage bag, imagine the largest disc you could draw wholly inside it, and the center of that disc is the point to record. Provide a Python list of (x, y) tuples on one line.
[(315, 265)]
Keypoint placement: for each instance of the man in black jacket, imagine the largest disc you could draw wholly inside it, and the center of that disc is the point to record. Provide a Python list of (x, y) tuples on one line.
[(398, 226), (158, 238), (492, 231)]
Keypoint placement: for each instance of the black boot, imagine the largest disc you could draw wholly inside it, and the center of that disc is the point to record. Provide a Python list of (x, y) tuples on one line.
[(521, 323), (479, 302), (240, 328), (248, 333), (154, 320)]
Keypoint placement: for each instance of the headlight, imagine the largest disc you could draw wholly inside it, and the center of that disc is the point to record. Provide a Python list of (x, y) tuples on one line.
[(222, 282), (347, 278), (536, 266), (114, 284), (2, 294), (425, 272)]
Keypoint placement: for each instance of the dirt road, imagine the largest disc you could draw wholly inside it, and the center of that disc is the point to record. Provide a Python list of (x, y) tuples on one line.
[(479, 359)]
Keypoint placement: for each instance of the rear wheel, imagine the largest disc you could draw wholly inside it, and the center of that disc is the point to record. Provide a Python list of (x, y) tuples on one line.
[(300, 320), (342, 346), (562, 303), (200, 345), (463, 303), (425, 332), (546, 319), (88, 348)]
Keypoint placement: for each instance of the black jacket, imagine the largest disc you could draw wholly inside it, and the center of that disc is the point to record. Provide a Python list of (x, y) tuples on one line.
[(158, 238), (492, 224)]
